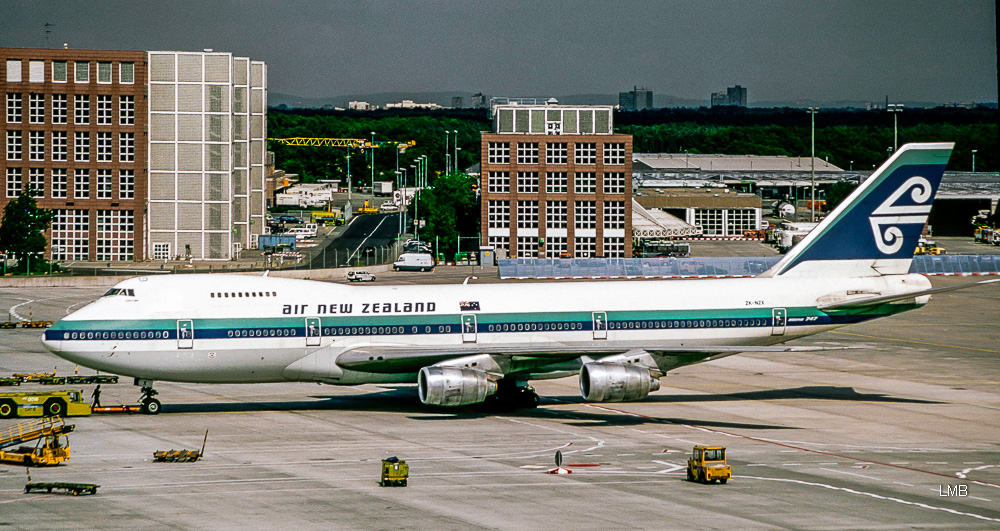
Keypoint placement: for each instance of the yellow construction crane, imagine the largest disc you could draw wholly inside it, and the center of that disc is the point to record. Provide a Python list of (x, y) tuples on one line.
[(342, 142)]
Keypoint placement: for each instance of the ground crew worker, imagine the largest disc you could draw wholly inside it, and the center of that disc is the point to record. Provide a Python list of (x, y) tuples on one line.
[(97, 396)]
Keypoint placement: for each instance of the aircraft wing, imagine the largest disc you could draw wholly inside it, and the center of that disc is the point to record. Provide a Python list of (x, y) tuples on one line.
[(406, 358), (875, 301)]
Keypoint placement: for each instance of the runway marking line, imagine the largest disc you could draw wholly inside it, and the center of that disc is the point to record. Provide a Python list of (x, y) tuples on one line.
[(917, 342)]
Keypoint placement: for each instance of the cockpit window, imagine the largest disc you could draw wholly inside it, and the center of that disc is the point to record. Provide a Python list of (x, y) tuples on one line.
[(123, 292)]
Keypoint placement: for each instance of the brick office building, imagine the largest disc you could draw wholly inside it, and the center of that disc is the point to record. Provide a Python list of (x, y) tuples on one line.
[(139, 154), (74, 131), (556, 182)]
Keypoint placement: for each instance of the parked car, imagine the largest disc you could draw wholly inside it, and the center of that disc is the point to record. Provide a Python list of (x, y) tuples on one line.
[(388, 206), (288, 219), (360, 276)]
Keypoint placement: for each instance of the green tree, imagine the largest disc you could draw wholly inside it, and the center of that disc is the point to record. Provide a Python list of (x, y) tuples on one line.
[(837, 193), (22, 231), (451, 209)]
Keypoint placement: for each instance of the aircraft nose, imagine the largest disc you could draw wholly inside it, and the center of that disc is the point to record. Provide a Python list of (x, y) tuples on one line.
[(52, 340)]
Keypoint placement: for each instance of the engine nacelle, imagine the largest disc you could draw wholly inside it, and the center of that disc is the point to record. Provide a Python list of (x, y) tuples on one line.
[(613, 382), (452, 386)]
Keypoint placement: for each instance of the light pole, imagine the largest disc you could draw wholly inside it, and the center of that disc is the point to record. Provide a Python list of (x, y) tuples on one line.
[(974, 160), (455, 160), (457, 149), (852, 166), (447, 153), (373, 164), (812, 162), (895, 109)]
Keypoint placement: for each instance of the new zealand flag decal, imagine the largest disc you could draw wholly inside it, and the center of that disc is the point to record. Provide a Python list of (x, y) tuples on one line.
[(469, 306)]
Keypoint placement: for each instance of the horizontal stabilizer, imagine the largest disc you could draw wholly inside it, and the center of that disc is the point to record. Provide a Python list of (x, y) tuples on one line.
[(885, 299)]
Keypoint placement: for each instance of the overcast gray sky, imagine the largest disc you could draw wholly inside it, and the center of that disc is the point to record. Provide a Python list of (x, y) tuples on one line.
[(941, 51)]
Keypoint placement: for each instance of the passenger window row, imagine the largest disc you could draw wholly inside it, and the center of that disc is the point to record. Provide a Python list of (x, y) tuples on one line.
[(263, 332), (688, 323), (244, 294), (140, 334), (530, 327)]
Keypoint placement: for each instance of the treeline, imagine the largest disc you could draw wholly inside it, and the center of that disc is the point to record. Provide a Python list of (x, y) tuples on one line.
[(847, 138)]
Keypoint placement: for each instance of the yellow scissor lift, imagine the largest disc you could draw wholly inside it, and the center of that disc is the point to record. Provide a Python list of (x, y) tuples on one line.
[(52, 445)]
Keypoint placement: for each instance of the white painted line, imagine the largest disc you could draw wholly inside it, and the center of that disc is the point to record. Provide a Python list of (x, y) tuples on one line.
[(899, 462), (793, 464), (789, 451), (901, 483), (624, 455), (937, 462), (827, 464), (849, 473), (757, 464), (978, 498)]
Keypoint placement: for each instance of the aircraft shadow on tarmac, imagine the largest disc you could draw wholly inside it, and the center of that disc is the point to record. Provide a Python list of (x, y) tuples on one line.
[(819, 392)]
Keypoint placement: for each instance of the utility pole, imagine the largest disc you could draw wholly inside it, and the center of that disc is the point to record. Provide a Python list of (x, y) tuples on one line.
[(812, 162), (895, 109)]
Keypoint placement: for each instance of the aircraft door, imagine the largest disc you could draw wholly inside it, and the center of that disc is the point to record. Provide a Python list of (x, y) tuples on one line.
[(600, 322), (185, 334), (778, 318), (469, 328), (314, 332)]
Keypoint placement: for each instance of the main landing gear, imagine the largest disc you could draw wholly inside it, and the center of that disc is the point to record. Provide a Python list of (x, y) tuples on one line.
[(513, 395), (147, 404)]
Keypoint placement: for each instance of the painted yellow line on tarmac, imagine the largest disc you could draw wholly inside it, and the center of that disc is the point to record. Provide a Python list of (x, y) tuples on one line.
[(917, 342)]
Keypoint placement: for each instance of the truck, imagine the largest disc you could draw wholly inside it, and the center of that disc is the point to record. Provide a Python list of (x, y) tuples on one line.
[(707, 464), (383, 188), (395, 472), (328, 217), (49, 451), (413, 262), (43, 404)]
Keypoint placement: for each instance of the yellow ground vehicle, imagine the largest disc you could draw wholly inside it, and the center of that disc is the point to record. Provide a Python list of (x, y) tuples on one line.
[(707, 464), (395, 472), (328, 218), (929, 247), (43, 404), (52, 447), (367, 208)]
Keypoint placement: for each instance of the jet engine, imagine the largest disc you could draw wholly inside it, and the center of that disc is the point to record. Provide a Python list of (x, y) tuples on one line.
[(452, 386), (613, 382)]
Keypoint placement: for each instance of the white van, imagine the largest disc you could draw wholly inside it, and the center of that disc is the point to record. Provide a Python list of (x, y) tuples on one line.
[(413, 262), (300, 233)]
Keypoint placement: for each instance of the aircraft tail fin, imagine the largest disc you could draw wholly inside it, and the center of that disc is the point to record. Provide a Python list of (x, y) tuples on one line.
[(875, 230)]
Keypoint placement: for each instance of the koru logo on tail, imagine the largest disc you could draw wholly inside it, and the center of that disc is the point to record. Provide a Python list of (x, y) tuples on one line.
[(885, 220)]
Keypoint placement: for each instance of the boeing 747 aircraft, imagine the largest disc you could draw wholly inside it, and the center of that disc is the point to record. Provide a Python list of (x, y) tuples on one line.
[(464, 344)]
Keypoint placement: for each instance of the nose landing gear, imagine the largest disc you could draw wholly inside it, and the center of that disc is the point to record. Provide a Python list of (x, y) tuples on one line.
[(148, 404)]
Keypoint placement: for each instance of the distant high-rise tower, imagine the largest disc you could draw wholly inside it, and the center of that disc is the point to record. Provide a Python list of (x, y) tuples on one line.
[(637, 99), (732, 96), (457, 102)]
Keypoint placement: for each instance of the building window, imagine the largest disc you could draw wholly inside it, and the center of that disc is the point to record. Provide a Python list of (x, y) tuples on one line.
[(585, 215), (585, 182), (36, 181), (103, 72), (161, 251), (556, 153), (81, 146), (585, 247), (498, 153), (14, 183), (60, 183), (14, 110), (104, 109), (14, 145), (82, 71), (556, 182), (36, 145), (126, 73), (614, 214), (527, 182), (126, 147), (81, 109), (13, 71), (499, 182), (527, 152), (614, 247), (555, 247), (614, 153), (499, 243), (59, 108), (115, 235), (527, 247), (58, 71), (710, 221), (126, 110), (70, 235), (585, 153), (498, 213), (556, 216), (614, 183), (36, 71), (103, 185), (103, 146), (126, 184), (36, 109), (740, 220), (81, 184), (527, 214), (60, 145)]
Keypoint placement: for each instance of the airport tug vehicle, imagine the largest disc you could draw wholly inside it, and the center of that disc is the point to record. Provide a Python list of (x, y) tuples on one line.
[(707, 464), (395, 472)]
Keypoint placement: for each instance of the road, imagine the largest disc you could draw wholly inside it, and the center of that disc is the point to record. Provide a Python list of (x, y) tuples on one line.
[(377, 231)]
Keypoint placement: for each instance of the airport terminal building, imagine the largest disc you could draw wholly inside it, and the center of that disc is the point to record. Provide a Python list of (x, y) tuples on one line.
[(556, 182), (139, 154)]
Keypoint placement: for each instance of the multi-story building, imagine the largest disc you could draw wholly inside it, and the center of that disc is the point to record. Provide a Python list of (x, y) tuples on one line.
[(74, 128), (556, 182), (638, 99), (139, 154), (731, 97)]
